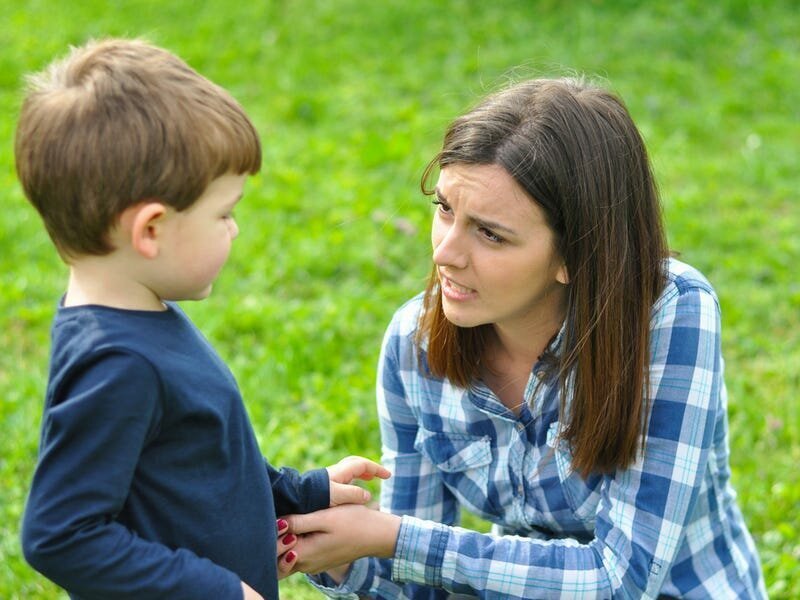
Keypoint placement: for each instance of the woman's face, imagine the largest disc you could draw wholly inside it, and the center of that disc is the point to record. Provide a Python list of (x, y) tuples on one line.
[(494, 252)]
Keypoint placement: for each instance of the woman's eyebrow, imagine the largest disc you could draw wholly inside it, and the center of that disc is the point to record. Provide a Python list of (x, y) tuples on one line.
[(493, 225), (480, 221)]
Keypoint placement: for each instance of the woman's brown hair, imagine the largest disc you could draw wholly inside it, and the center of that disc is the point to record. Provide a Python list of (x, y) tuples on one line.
[(576, 151)]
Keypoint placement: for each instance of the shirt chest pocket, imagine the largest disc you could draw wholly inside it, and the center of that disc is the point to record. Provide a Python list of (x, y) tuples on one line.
[(463, 462), (581, 494)]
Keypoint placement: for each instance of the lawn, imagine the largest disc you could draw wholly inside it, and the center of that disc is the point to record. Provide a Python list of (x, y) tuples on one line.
[(351, 98)]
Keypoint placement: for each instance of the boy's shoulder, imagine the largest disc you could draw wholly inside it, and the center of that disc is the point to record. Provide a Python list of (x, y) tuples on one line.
[(88, 341), (91, 329)]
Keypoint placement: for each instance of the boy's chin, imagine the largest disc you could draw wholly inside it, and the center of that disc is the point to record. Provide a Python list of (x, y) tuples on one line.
[(189, 295), (202, 295)]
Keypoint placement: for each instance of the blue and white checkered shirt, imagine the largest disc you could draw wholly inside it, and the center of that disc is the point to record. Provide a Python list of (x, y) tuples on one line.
[(668, 524)]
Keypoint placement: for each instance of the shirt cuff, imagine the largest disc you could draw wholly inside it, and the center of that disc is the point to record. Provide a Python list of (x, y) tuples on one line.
[(356, 580), (419, 553), (316, 487)]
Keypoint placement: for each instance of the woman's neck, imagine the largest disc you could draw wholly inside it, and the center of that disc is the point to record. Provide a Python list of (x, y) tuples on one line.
[(511, 353), (525, 342)]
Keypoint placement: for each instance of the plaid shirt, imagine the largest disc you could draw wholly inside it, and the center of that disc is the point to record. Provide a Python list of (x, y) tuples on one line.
[(668, 524)]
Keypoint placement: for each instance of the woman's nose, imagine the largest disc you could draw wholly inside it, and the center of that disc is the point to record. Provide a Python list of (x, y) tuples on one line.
[(449, 247)]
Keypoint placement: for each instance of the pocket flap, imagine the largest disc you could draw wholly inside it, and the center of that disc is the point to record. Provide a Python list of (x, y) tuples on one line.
[(454, 452)]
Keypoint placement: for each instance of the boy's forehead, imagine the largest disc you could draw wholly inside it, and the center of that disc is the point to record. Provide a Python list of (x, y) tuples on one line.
[(228, 188)]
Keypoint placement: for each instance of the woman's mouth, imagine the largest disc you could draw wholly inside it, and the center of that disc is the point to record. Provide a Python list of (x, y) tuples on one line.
[(453, 291)]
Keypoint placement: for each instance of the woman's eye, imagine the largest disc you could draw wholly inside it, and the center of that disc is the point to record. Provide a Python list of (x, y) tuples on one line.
[(491, 236), (443, 206)]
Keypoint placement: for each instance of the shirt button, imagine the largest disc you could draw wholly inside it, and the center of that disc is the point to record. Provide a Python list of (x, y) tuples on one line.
[(520, 427), (520, 490)]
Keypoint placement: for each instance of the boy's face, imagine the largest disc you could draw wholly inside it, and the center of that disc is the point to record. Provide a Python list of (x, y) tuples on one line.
[(196, 241)]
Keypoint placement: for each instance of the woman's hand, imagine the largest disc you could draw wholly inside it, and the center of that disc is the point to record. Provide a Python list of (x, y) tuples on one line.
[(286, 556), (334, 537)]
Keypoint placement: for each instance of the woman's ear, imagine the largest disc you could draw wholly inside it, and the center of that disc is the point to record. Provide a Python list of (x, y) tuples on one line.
[(562, 276), (141, 224)]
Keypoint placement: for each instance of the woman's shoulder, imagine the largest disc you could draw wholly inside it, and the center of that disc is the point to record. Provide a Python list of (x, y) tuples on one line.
[(400, 338), (684, 277), (685, 286), (405, 320)]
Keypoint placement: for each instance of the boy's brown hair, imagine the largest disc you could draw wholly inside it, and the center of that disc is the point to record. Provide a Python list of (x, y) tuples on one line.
[(118, 122)]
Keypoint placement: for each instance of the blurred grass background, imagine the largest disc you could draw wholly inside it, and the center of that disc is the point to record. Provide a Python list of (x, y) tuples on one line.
[(351, 98)]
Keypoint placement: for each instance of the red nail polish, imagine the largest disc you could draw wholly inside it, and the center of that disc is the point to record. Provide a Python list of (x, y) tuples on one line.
[(290, 556), (282, 524), (289, 538)]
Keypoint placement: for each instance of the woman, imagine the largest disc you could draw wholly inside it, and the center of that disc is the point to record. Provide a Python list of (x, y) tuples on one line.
[(560, 376)]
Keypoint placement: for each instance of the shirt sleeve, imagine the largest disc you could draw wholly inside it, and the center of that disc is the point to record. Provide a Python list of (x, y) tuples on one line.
[(95, 426), (643, 510), (296, 493)]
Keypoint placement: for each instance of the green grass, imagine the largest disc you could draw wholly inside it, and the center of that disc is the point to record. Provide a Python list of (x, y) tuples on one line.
[(351, 99)]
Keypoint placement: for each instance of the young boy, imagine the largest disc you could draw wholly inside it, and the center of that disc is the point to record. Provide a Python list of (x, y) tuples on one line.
[(150, 483)]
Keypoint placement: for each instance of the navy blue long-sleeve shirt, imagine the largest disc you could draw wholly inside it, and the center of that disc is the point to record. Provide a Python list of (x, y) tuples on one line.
[(150, 482)]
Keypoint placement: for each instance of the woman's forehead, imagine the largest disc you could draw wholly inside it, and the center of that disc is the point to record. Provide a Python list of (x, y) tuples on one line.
[(489, 191)]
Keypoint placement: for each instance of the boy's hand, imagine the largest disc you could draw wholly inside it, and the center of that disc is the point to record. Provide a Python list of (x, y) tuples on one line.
[(347, 469), (249, 593)]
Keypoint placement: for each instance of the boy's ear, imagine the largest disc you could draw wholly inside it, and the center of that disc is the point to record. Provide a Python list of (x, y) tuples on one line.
[(141, 224)]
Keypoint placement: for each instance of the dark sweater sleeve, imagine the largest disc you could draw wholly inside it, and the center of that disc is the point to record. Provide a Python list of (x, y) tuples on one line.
[(95, 426), (297, 493)]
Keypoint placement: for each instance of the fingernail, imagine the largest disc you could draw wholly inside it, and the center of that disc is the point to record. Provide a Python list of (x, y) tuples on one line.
[(290, 556), (289, 538), (282, 524)]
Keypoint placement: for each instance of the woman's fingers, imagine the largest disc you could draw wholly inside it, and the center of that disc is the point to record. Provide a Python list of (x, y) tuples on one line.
[(300, 524), (287, 558), (286, 564)]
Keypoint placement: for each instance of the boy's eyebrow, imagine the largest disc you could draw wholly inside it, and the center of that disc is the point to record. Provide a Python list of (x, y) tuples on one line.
[(481, 222), (235, 200)]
